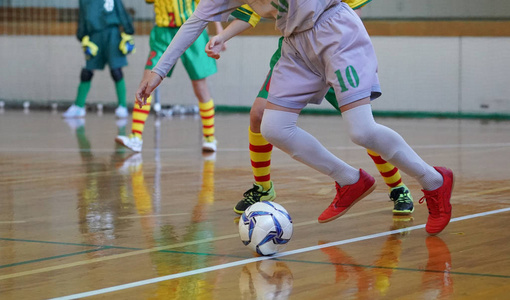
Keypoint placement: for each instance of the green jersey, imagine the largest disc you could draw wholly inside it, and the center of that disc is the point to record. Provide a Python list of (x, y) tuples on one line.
[(98, 15)]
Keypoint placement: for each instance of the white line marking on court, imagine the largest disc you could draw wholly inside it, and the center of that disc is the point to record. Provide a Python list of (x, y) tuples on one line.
[(251, 260)]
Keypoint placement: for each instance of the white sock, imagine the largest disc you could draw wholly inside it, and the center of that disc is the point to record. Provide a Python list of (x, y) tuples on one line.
[(364, 131), (280, 129)]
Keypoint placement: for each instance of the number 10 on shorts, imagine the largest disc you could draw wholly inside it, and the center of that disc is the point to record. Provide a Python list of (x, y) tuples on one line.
[(352, 78)]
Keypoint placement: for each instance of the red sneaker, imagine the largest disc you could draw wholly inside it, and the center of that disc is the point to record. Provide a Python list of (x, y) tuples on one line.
[(347, 196), (438, 203)]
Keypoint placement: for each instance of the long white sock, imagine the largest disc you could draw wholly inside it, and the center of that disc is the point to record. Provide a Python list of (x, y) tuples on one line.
[(280, 129), (365, 132)]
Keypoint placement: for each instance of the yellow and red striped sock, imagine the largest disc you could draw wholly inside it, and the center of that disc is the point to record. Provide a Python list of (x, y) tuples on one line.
[(140, 115), (389, 172), (207, 115), (260, 155)]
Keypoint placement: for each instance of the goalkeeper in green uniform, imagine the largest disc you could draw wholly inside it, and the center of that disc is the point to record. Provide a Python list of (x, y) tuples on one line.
[(103, 42)]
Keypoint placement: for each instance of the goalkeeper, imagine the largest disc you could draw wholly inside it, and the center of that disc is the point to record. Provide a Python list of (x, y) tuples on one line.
[(103, 42)]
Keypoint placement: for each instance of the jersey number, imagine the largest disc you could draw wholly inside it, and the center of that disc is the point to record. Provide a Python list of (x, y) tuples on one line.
[(352, 78)]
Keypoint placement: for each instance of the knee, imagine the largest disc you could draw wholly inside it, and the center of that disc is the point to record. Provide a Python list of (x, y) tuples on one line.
[(117, 74), (86, 75), (270, 135), (256, 115), (275, 132), (361, 136)]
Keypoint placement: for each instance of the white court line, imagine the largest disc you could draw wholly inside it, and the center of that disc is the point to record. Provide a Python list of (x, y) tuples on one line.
[(255, 259)]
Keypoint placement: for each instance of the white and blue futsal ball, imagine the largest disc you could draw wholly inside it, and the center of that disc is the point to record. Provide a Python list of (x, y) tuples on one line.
[(265, 227)]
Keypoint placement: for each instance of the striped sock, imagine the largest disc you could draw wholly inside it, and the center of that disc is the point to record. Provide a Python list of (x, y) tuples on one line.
[(389, 172), (207, 115), (140, 115), (260, 155)]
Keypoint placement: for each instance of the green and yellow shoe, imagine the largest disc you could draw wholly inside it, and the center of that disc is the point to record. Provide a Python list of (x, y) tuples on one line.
[(403, 201), (253, 195)]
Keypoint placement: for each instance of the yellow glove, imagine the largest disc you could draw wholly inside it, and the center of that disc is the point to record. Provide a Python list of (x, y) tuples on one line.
[(127, 44), (149, 1), (89, 47)]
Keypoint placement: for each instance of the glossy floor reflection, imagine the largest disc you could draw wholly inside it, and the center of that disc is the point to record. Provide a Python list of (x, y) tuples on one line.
[(79, 214)]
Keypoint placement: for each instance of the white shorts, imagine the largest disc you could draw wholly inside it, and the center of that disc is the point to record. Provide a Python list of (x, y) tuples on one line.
[(336, 53)]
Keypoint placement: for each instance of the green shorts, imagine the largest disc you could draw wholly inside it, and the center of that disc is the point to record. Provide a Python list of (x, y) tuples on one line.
[(195, 60), (108, 51), (264, 90)]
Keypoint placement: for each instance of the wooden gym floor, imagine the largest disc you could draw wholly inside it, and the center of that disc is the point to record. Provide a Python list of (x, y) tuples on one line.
[(83, 218)]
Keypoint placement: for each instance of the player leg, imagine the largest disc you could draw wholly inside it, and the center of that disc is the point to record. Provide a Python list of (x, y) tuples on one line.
[(117, 60), (260, 149), (159, 40), (260, 157), (207, 113), (199, 66), (399, 193), (120, 87), (77, 110), (293, 86), (97, 62), (352, 71), (437, 182), (140, 114)]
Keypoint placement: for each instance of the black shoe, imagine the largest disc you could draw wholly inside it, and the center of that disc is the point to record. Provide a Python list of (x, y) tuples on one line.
[(253, 195), (403, 201)]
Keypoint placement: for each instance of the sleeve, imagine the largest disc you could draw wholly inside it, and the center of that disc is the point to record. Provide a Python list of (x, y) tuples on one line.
[(216, 10), (245, 13), (186, 35), (125, 19), (356, 4), (82, 27)]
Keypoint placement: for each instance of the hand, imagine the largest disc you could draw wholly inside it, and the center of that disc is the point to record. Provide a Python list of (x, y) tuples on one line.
[(89, 48), (127, 44), (214, 47), (148, 84)]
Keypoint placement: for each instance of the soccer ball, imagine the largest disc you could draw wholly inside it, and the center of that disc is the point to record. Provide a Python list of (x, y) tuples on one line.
[(265, 227)]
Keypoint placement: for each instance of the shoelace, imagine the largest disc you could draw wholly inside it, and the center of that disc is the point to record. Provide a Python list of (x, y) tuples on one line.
[(253, 195), (404, 197), (432, 204)]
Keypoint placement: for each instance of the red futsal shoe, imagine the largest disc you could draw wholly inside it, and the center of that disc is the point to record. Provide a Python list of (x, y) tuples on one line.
[(438, 203), (347, 196)]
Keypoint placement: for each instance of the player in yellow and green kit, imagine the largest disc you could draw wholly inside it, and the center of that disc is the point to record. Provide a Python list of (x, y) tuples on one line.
[(170, 15), (261, 149), (103, 43)]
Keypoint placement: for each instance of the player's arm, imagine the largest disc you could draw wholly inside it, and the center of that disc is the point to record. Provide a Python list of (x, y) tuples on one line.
[(245, 18), (127, 43), (125, 19), (186, 35), (82, 27), (217, 42), (206, 12), (89, 48), (356, 5)]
